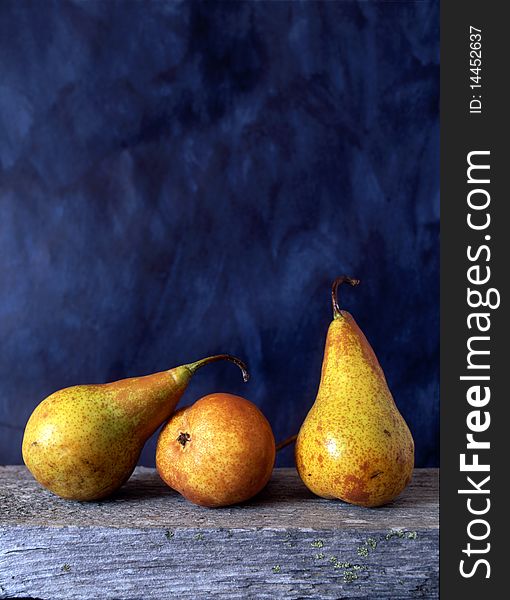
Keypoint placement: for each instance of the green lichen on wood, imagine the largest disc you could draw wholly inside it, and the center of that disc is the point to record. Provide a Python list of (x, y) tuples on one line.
[(394, 533), (400, 534), (277, 569), (66, 567), (350, 571), (350, 576), (368, 546), (169, 534)]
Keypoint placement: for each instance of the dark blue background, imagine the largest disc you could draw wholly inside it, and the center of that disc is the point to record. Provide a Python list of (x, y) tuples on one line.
[(178, 180)]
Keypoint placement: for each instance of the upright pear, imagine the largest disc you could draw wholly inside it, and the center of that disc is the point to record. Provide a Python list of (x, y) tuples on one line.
[(354, 444), (83, 442)]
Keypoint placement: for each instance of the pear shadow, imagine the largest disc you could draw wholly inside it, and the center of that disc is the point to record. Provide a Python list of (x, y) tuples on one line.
[(285, 486), (281, 488), (144, 484), (147, 485)]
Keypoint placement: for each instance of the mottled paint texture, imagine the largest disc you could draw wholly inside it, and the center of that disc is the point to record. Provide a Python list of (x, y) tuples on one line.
[(182, 179), (218, 452)]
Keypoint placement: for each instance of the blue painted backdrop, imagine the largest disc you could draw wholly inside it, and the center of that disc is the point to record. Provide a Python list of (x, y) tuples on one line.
[(181, 179)]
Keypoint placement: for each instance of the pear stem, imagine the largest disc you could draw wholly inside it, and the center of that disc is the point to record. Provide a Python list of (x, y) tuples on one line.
[(205, 361), (334, 292), (286, 442)]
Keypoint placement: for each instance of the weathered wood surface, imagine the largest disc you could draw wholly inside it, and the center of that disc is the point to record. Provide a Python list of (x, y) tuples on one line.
[(148, 542)]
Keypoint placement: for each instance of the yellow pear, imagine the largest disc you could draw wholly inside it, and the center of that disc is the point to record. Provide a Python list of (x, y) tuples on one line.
[(354, 444), (217, 452), (83, 442)]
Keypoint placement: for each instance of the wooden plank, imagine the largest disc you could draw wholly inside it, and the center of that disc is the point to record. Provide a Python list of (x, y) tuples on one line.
[(148, 542), (145, 501)]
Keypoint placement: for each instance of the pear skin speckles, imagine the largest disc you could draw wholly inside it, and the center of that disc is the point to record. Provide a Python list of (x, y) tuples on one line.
[(366, 448), (217, 452), (76, 447)]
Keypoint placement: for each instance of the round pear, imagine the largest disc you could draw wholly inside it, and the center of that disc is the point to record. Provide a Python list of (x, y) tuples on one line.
[(217, 452)]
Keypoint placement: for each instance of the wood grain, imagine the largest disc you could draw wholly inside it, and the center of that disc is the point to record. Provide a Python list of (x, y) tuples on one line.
[(148, 542)]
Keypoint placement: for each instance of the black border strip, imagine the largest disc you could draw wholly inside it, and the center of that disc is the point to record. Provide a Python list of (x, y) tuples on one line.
[(463, 132)]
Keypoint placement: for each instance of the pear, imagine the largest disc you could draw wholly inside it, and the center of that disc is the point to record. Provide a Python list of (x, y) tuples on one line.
[(83, 442), (354, 444), (217, 452)]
